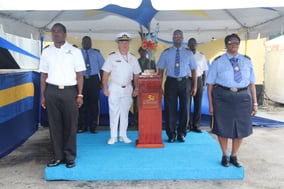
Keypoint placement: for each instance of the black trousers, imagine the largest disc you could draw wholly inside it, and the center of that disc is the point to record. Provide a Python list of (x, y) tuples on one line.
[(62, 112), (89, 112), (176, 121), (195, 119)]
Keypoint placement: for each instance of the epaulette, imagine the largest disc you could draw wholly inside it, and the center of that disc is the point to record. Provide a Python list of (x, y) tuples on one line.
[(75, 46), (46, 46), (132, 54), (187, 49), (217, 58), (166, 49), (201, 53), (111, 53), (96, 50), (247, 57)]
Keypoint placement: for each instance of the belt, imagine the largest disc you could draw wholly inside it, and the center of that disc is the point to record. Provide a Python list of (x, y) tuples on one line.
[(178, 78), (232, 89), (62, 86), (122, 86), (89, 76)]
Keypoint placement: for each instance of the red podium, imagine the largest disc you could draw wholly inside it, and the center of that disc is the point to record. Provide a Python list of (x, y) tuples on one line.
[(149, 112)]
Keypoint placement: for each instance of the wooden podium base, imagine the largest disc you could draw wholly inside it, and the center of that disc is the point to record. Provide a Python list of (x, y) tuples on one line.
[(140, 145), (149, 112)]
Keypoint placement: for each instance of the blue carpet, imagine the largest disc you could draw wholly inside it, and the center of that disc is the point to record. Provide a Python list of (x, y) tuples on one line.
[(196, 159)]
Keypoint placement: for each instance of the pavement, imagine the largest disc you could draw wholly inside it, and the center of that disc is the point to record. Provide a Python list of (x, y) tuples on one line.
[(261, 154)]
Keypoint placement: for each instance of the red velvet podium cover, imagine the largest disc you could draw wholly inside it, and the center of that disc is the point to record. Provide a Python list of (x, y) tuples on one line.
[(149, 112)]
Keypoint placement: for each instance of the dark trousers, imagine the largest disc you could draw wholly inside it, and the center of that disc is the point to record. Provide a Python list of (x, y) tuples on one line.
[(194, 122), (176, 91), (62, 112), (89, 112)]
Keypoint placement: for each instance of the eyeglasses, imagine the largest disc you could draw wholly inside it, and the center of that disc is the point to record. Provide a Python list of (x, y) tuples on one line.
[(233, 43)]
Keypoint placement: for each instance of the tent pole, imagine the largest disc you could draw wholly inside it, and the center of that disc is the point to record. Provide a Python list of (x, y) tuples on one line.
[(246, 41)]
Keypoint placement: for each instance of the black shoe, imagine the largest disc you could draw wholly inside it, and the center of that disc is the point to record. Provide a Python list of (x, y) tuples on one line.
[(54, 163), (196, 129), (234, 161), (70, 163), (171, 140), (94, 131), (81, 130), (225, 161), (181, 139)]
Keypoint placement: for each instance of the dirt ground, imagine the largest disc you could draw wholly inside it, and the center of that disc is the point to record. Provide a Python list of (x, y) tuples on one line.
[(261, 154)]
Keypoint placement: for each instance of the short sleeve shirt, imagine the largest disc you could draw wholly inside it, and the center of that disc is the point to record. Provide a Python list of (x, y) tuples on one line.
[(167, 61), (61, 64), (121, 68), (221, 71)]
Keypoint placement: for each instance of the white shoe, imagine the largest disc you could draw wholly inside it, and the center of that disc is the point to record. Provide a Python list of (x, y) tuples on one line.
[(125, 140), (112, 140)]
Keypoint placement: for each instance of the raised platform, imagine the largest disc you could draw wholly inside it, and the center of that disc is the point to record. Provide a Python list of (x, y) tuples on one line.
[(196, 159)]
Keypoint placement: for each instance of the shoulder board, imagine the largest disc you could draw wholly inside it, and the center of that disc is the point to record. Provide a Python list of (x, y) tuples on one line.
[(187, 49), (247, 57), (75, 46), (132, 54), (201, 53), (96, 50), (46, 47), (111, 53), (166, 49), (217, 58)]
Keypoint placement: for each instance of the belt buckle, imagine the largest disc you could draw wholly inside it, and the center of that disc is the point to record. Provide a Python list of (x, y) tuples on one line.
[(233, 89), (179, 79), (60, 86), (87, 76)]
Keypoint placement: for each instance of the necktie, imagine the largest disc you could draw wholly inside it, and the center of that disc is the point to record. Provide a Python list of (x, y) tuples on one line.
[(87, 62), (237, 71), (177, 63)]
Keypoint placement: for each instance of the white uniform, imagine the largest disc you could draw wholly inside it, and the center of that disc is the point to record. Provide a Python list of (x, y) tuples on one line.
[(121, 69), (201, 63)]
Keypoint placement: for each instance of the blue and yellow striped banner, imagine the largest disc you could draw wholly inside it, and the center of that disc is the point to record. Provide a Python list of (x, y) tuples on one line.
[(16, 94)]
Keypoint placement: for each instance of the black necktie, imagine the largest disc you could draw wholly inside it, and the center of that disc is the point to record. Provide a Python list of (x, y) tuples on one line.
[(88, 65), (177, 63), (237, 71)]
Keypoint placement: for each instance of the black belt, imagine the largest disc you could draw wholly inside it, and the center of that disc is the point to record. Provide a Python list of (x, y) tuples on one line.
[(232, 89), (61, 86), (90, 76), (178, 78)]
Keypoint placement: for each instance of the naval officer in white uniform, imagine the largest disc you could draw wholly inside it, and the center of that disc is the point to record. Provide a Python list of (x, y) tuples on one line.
[(120, 68)]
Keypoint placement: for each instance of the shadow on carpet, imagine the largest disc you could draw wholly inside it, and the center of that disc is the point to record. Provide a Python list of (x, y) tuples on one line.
[(196, 159)]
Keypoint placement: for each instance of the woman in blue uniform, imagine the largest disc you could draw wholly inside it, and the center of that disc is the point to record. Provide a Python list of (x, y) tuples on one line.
[(232, 98)]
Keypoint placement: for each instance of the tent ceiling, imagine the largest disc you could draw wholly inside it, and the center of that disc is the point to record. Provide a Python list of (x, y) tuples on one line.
[(103, 24)]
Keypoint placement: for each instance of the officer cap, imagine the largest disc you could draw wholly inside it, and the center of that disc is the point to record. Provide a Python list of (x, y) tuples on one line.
[(123, 37)]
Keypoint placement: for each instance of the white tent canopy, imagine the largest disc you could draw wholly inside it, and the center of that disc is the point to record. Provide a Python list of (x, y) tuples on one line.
[(203, 19)]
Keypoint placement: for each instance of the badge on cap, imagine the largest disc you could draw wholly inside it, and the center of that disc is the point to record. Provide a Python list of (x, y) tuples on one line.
[(123, 37)]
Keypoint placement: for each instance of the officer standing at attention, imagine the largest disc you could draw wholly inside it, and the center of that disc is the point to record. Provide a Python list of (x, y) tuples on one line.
[(61, 66), (232, 98), (89, 112), (194, 123), (179, 63), (122, 67)]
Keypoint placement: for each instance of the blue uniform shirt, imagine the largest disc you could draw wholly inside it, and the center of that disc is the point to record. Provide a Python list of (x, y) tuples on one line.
[(96, 60), (167, 61), (221, 71)]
